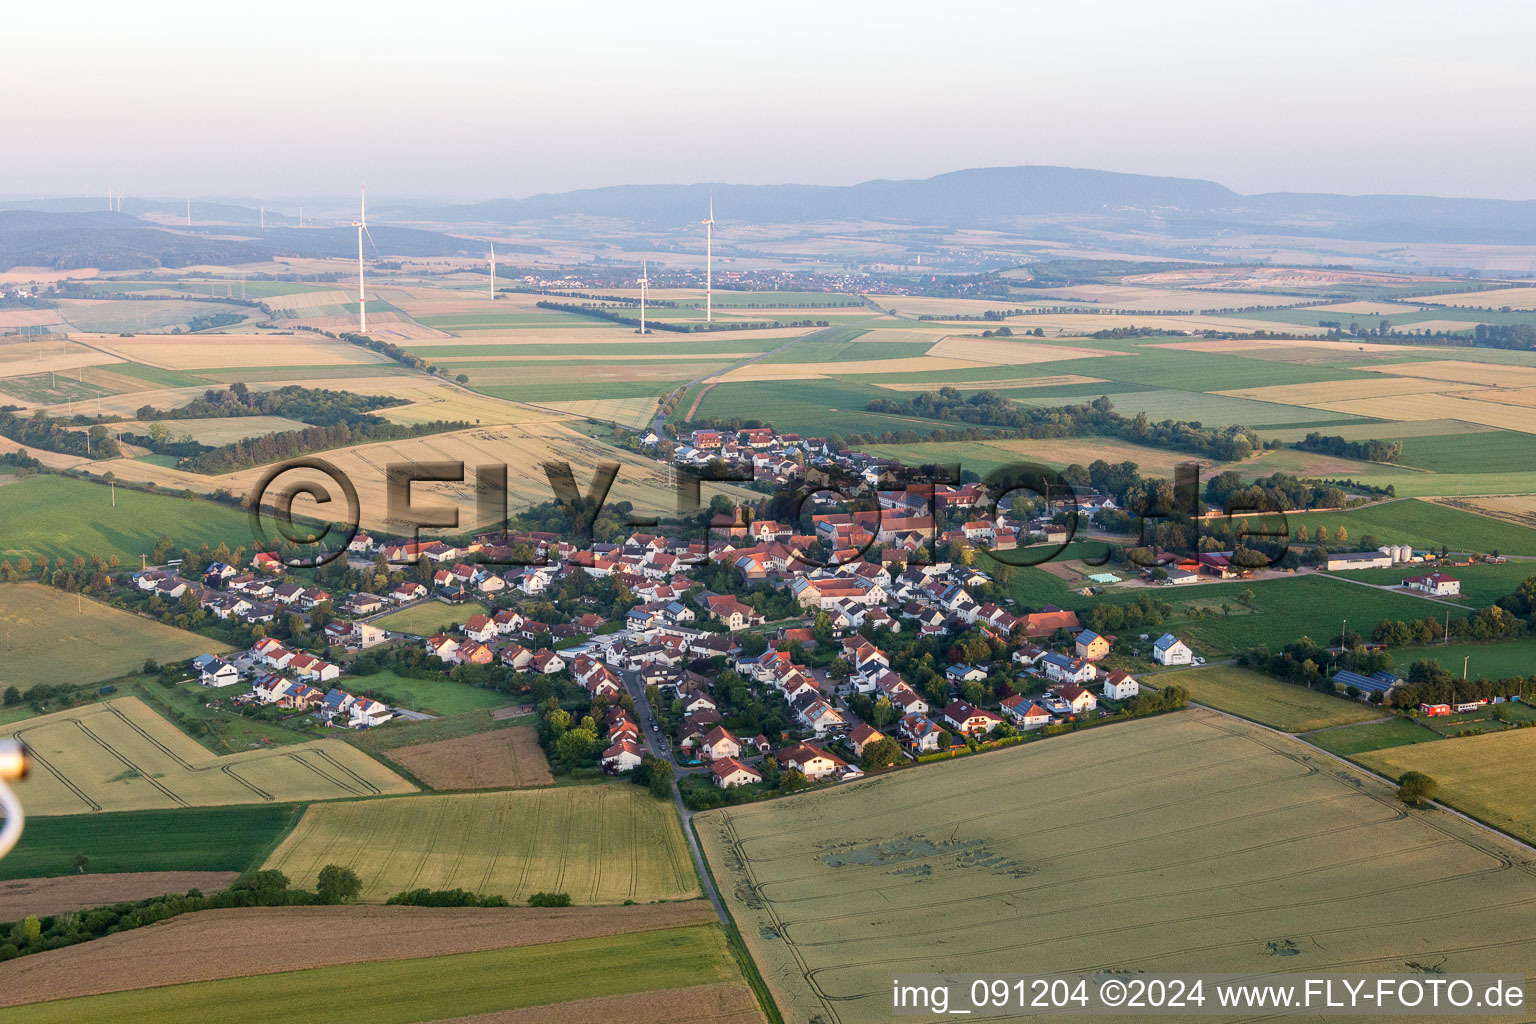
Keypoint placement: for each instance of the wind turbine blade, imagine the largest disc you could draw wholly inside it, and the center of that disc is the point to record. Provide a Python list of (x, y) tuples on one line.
[(364, 226)]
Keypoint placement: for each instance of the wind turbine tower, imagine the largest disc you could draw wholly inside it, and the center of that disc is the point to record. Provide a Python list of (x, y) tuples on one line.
[(189, 211), (645, 285), (493, 271), (362, 229), (709, 242)]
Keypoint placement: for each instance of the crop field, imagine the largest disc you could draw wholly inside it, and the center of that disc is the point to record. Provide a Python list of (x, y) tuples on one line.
[(1210, 840), (125, 315), (628, 412), (1481, 584), (668, 966), (231, 838), (121, 756), (1496, 298), (212, 351), (1519, 509), (218, 431), (56, 515), (1422, 524), (1264, 699), (428, 617), (984, 456), (1480, 775), (600, 843), (1350, 740), (501, 758), (51, 636)]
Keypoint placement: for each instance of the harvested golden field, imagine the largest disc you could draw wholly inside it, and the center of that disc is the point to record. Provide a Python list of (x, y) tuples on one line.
[(1129, 296), (52, 635), (813, 371), (44, 896), (1251, 345), (497, 759), (614, 370), (1464, 371), (1496, 298), (1512, 508), (1451, 326), (56, 460), (603, 843), (122, 756), (1343, 390), (10, 319), (1212, 841), (1420, 407), (631, 412), (19, 358), (523, 448), (273, 940), (209, 351), (1001, 382), (1277, 277), (295, 303), (1010, 353), (1481, 775), (218, 431), (718, 1003)]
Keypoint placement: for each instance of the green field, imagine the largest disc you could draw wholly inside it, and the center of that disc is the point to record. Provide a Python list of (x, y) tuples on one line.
[(1496, 660), (1485, 776), (600, 843), (185, 839), (1146, 846), (52, 637), (1492, 452), (1481, 584), (1422, 524), (1264, 699), (1213, 620), (816, 408), (1359, 739), (427, 988), (437, 696), (56, 515), (430, 616)]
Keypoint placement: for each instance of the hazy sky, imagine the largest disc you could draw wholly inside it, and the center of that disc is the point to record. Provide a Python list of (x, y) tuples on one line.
[(475, 100)]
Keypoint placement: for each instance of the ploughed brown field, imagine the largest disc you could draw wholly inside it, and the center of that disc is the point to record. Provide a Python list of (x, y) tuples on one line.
[(485, 760), (216, 944), (44, 896), (722, 1003)]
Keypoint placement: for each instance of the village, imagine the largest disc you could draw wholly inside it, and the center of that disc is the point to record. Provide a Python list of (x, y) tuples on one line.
[(663, 674)]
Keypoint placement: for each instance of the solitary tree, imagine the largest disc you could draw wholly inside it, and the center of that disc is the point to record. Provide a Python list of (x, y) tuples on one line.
[(337, 884), (81, 862), (1415, 788)]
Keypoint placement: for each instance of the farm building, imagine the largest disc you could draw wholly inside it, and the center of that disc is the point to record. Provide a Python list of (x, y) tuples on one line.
[(1381, 682), (1436, 583), (1359, 560)]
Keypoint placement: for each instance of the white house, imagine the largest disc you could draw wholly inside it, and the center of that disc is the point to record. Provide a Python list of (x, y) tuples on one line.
[(1170, 650), (1121, 685), (216, 671), (1436, 583), (730, 772)]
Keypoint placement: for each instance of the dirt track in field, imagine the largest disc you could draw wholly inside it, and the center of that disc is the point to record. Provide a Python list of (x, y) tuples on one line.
[(716, 1004), (485, 760), (44, 896), (218, 944)]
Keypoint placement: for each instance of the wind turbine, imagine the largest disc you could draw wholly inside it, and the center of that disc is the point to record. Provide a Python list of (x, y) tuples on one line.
[(362, 229), (709, 241), (645, 284), (493, 271)]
